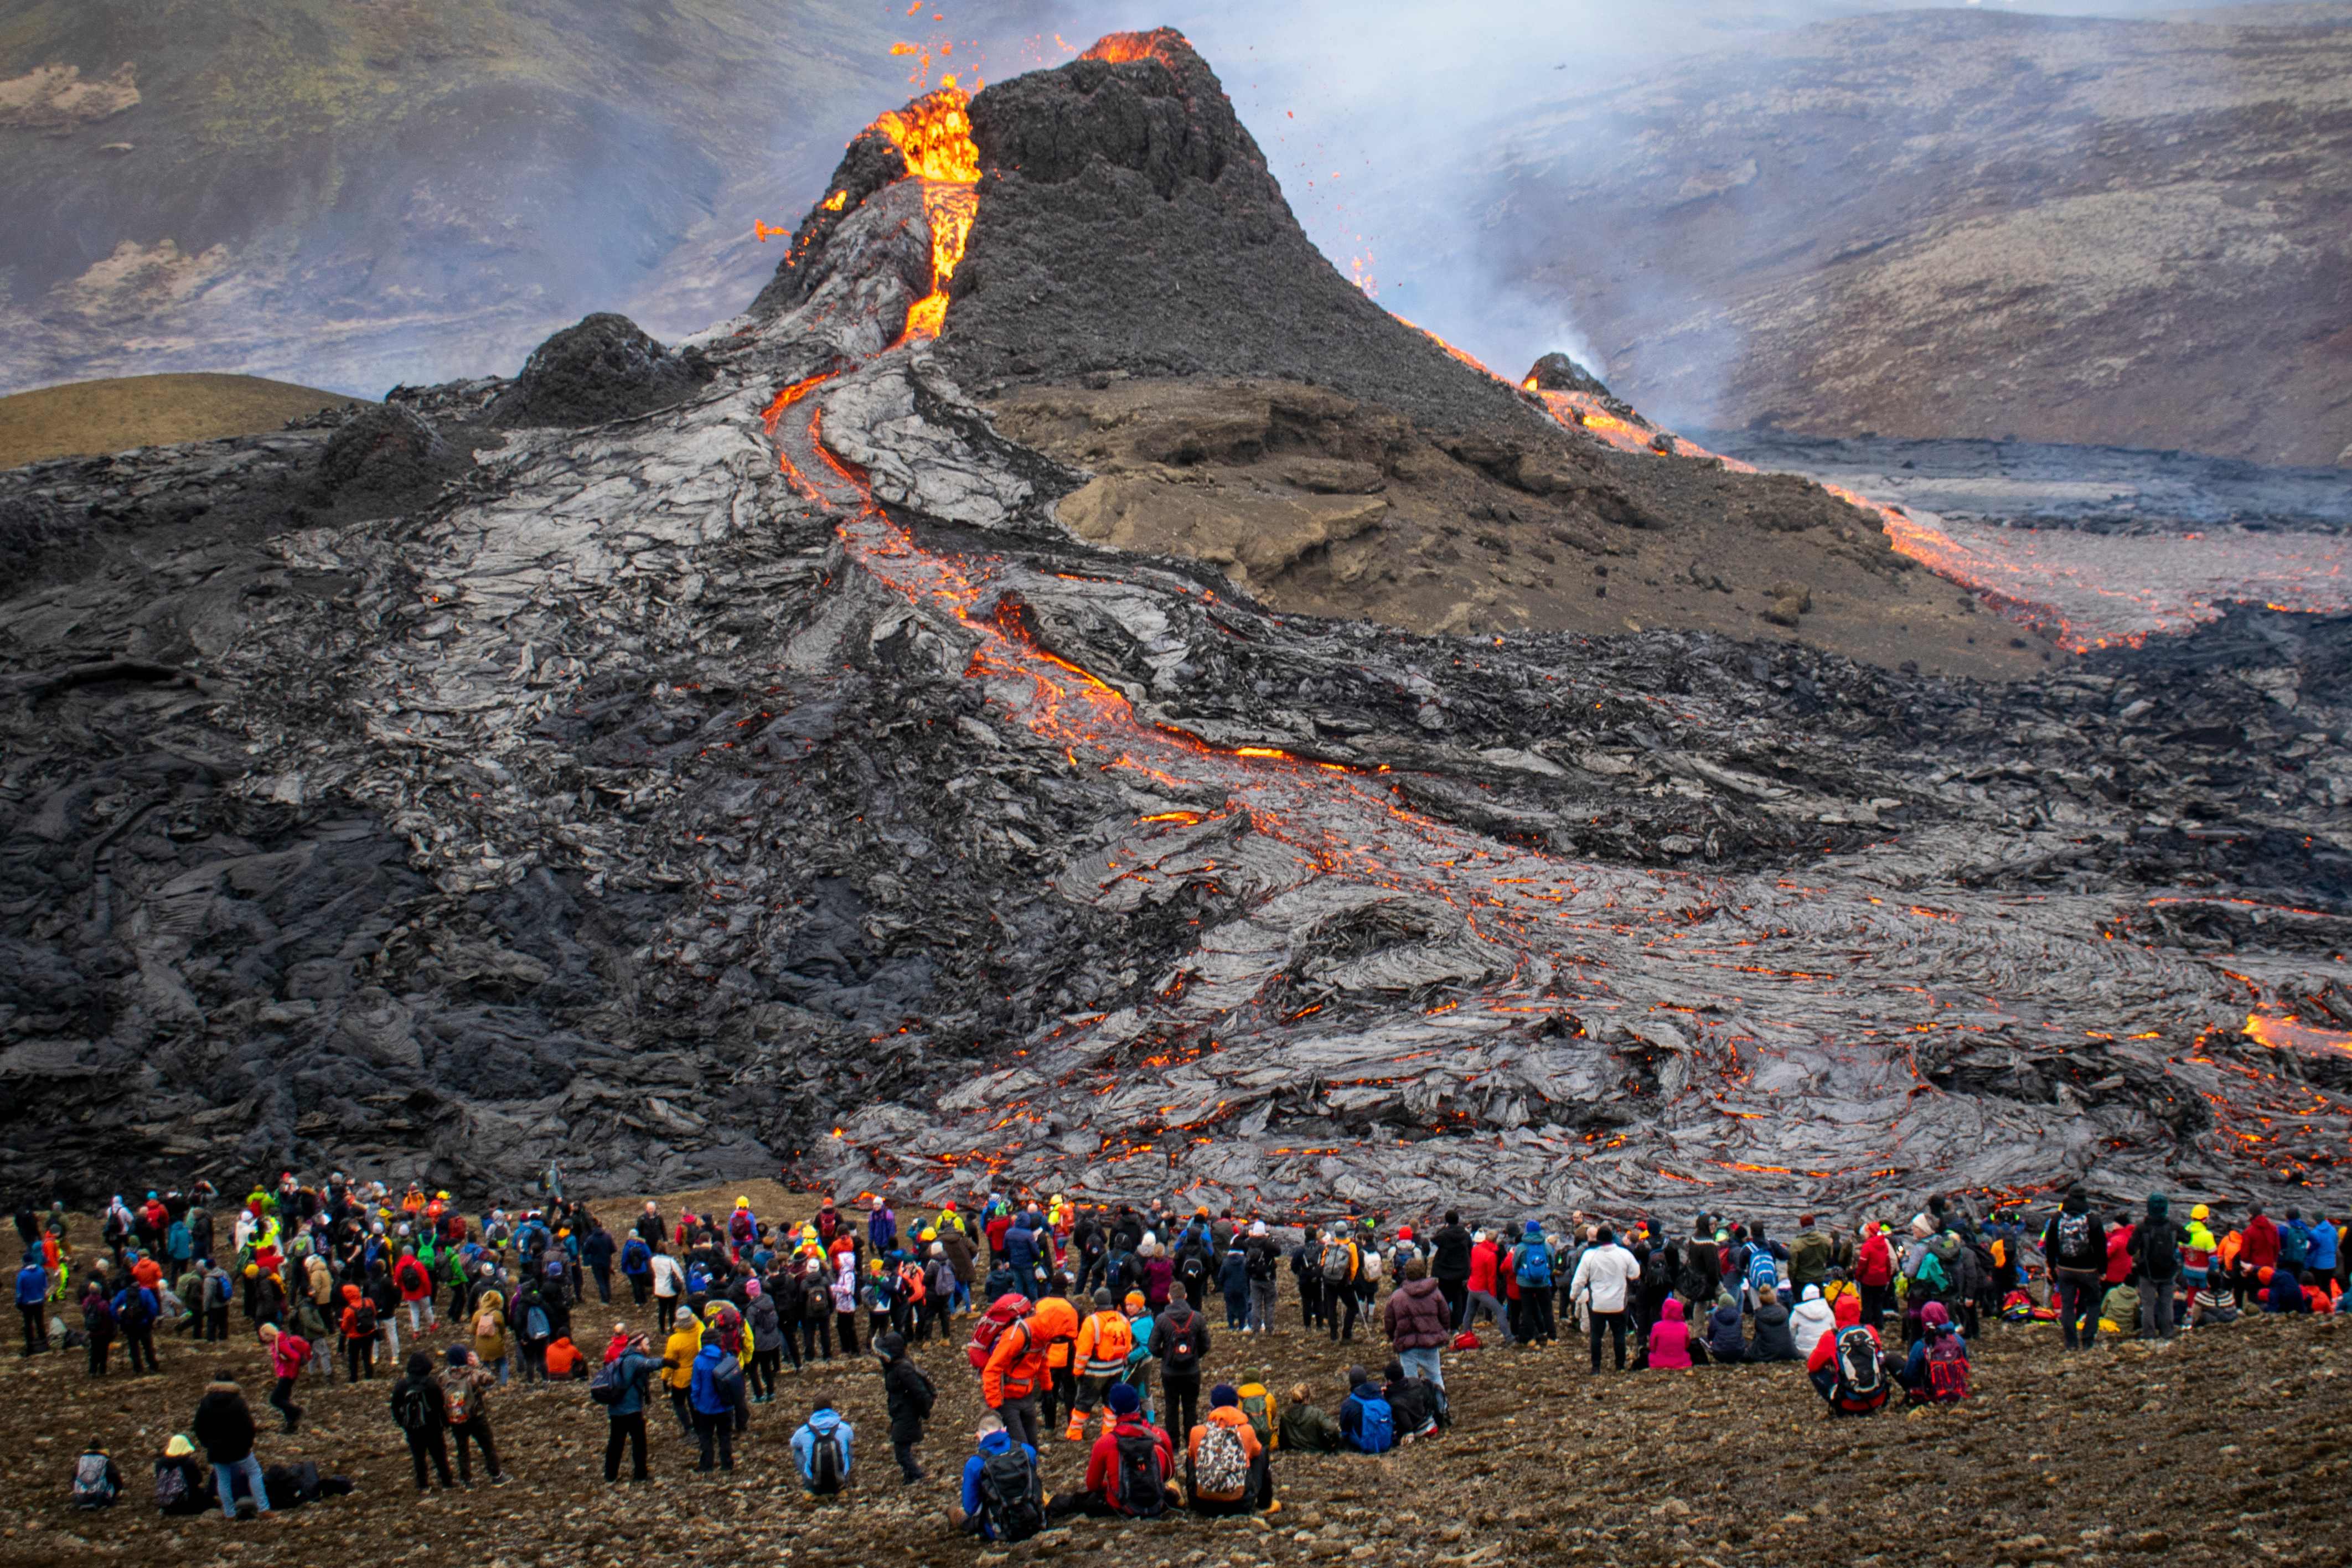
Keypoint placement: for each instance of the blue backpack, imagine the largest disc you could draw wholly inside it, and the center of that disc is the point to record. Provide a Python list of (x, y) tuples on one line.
[(1533, 1264), (1376, 1426), (1763, 1274), (637, 1258)]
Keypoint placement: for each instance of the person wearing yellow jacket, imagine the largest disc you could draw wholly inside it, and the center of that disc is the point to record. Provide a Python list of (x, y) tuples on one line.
[(2198, 1248), (1104, 1342), (679, 1352)]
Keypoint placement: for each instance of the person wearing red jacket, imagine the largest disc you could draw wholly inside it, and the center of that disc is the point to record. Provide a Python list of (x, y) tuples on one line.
[(415, 1287), (1874, 1271), (1485, 1267), (1122, 1485), (2119, 1258)]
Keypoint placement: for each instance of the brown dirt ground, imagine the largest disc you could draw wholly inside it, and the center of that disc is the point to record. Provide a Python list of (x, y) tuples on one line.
[(2229, 1446), (86, 418), (1317, 503)]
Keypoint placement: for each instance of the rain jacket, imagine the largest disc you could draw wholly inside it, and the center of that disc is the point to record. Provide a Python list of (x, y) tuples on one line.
[(823, 1423), (1670, 1336)]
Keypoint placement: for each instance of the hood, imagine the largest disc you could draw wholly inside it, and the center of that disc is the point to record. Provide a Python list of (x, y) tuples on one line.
[(994, 1443), (1672, 1309), (1417, 1289), (2159, 1205), (1724, 1317), (824, 1421), (1812, 1293), (708, 1358)]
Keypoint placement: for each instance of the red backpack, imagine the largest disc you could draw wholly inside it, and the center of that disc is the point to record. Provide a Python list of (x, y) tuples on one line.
[(1001, 1314), (1948, 1370)]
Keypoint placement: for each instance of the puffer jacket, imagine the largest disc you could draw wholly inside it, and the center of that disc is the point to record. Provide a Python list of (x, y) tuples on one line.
[(1418, 1317), (1670, 1337)]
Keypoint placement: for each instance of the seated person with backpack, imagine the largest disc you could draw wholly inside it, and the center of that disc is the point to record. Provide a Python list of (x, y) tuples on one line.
[(1849, 1371), (1412, 1403), (1002, 1496), (1937, 1371), (2213, 1302), (1130, 1469), (1367, 1424), (1226, 1469), (822, 1448), (1306, 1428), (96, 1482), (182, 1487)]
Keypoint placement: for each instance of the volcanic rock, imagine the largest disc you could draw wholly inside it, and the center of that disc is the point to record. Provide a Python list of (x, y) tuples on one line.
[(603, 367)]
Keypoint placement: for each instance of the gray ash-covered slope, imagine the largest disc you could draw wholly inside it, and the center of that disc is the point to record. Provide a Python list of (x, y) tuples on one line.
[(769, 777)]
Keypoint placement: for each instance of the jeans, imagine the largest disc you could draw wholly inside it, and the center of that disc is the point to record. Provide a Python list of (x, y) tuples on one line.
[(631, 1430), (225, 1482), (1480, 1304), (2156, 1309), (420, 1315), (1261, 1307), (1422, 1363), (1237, 1307), (2078, 1303), (1615, 1324)]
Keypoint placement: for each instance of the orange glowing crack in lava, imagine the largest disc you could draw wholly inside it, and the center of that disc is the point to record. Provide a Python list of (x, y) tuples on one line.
[(934, 135)]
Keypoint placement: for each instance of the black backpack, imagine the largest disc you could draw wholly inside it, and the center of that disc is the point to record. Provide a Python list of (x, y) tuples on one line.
[(1184, 1345), (412, 1405), (1009, 1496), (363, 1324), (826, 1469), (1140, 1493), (1193, 1268)]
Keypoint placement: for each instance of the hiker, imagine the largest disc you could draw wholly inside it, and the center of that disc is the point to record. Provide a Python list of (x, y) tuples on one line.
[(1482, 1299), (135, 1311), (98, 1325), (180, 1479), (1418, 1322), (2282, 1292), (464, 1395), (96, 1482), (714, 1392), (422, 1414), (1130, 1469), (1306, 1275), (684, 1342), (1773, 1341), (1103, 1344), (1603, 1280), (2155, 1254), (1002, 1496), (2213, 1302), (358, 1329), (1874, 1272), (668, 1285), (2076, 1249), (909, 1396), (1670, 1341), (224, 1426), (1936, 1370), (629, 1377), (1226, 1468), (1263, 1266), (1813, 1317), (1340, 1266), (1015, 1370), (820, 1447), (764, 1325), (1179, 1343), (1367, 1424), (1306, 1428), (1849, 1371), (289, 1353)]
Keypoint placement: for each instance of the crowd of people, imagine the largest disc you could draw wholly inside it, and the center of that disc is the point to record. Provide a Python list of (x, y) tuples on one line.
[(1072, 1318)]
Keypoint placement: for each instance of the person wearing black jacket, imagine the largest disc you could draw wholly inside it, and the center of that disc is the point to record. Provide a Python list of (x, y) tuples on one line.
[(596, 1250), (1773, 1341), (2155, 1252), (1179, 1343), (1449, 1265), (2075, 1244), (910, 1397), (422, 1414), (224, 1427), (1306, 1273)]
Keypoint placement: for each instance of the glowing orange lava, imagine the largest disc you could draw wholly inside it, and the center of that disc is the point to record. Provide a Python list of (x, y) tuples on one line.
[(933, 134), (2280, 1031), (1119, 48)]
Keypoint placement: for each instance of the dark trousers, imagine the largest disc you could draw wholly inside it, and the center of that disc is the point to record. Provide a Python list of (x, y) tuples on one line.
[(1535, 1306), (1615, 1324), (846, 1324), (1877, 1300), (478, 1431), (630, 1429), (420, 1444), (2078, 1304), (764, 1363), (1457, 1299), (816, 1334), (719, 1429), (36, 1325), (788, 1343), (1061, 1396), (281, 1396), (1310, 1305), (664, 1312), (1334, 1304), (677, 1403), (138, 1343), (1183, 1399), (359, 1358), (1236, 1310), (904, 1451), (98, 1349), (215, 1323), (604, 1282), (640, 1287)]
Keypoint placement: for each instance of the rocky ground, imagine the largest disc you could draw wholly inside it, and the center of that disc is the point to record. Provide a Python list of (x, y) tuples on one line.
[(775, 772), (2223, 1447)]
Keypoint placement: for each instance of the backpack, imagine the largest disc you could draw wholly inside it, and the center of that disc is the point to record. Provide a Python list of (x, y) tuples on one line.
[(1139, 1492), (1257, 1406), (363, 1324), (607, 1386), (826, 1470), (1220, 1467), (1763, 1272), (1001, 1314), (1183, 1357), (2075, 1249), (412, 1408), (1010, 1499), (91, 1487), (1114, 1338), (1376, 1429), (535, 1324), (1533, 1264), (1931, 1275), (637, 1258), (1861, 1376), (1192, 1269), (1338, 1263), (170, 1487), (910, 1283), (459, 1403), (1467, 1339), (1948, 1370)]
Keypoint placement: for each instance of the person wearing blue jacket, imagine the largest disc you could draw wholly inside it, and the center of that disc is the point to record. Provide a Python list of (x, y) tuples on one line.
[(824, 1424), (970, 1516), (712, 1395), (2321, 1259), (1232, 1278), (596, 1251), (32, 1298), (1365, 1398), (2283, 1293), (135, 1311), (1020, 1253), (637, 1267)]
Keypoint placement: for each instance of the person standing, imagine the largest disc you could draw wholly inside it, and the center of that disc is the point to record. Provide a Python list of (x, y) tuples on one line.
[(1604, 1281), (909, 1396), (466, 1387), (2077, 1247), (1449, 1265), (596, 1251), (224, 1426), (714, 1390), (32, 1303), (1419, 1321), (2155, 1254), (289, 1353), (632, 1377), (1179, 1343)]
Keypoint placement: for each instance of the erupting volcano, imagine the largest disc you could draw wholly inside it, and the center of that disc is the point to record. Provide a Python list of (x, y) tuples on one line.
[(914, 745)]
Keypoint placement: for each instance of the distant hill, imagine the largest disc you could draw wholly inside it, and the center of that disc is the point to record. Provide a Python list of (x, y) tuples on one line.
[(1969, 224), (86, 418)]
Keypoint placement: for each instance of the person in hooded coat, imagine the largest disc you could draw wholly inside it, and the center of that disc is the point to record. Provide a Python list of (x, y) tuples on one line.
[(1727, 1338), (1813, 1317), (1670, 1341), (1774, 1339)]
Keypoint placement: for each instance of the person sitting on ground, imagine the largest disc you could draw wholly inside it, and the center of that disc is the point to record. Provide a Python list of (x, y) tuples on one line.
[(1130, 1469), (2213, 1302), (1775, 1340), (1670, 1340), (96, 1482), (1849, 1370), (1813, 1317), (1003, 1497), (2281, 1292), (1726, 1342), (180, 1479), (1306, 1428), (1226, 1469), (2119, 1309), (1366, 1420), (822, 1448), (1937, 1371), (1413, 1403)]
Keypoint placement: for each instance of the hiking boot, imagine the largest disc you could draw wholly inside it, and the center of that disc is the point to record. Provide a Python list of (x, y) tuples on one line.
[(246, 1509)]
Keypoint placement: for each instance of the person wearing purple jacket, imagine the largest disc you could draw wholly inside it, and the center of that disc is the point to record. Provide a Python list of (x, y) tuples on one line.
[(1419, 1322)]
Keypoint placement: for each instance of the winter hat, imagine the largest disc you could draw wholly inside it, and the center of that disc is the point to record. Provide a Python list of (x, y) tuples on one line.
[(1102, 1298), (1535, 1227), (1124, 1400), (2158, 1205), (179, 1447), (1222, 1396), (1933, 1315), (420, 1364), (457, 1353), (751, 1289), (1812, 1292), (1257, 1227), (1135, 1299)]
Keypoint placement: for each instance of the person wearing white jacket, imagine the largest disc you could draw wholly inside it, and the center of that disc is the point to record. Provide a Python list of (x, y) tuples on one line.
[(1604, 1279), (1812, 1319)]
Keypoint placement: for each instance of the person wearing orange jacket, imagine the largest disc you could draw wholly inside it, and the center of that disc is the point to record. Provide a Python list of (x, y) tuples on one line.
[(1216, 1495), (1016, 1369), (1060, 1393), (1105, 1340)]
